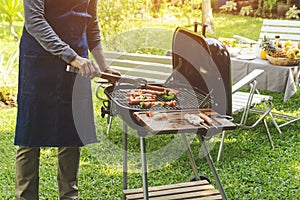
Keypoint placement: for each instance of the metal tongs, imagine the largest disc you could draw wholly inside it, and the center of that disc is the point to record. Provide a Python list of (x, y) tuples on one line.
[(116, 78)]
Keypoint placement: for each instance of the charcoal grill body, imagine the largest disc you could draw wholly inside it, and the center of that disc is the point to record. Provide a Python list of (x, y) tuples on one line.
[(201, 66), (188, 98)]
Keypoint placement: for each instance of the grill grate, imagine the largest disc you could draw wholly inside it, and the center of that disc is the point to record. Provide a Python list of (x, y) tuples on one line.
[(186, 99)]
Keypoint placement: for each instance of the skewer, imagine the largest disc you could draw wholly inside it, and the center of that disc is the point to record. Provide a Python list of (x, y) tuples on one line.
[(214, 126), (206, 98), (204, 126), (207, 119)]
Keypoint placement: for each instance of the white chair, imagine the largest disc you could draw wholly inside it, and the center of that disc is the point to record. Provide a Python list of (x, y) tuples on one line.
[(244, 102), (286, 29)]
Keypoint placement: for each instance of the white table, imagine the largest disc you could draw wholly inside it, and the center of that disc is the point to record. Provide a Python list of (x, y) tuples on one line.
[(275, 78)]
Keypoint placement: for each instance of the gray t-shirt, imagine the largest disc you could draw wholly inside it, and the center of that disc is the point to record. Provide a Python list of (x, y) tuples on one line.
[(37, 26)]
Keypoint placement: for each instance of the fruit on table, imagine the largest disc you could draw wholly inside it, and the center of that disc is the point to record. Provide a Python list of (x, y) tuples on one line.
[(298, 45), (296, 50), (263, 54), (290, 54), (288, 48), (279, 53), (288, 43), (267, 46)]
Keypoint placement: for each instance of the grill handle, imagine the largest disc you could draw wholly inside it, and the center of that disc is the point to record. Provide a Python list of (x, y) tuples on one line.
[(203, 27), (115, 78), (101, 75)]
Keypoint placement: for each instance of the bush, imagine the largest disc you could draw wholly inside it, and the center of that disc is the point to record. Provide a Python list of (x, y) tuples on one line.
[(246, 11), (115, 16), (11, 10), (293, 13), (229, 7), (8, 76)]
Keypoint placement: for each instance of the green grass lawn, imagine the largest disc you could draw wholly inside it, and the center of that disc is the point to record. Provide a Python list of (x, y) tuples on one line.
[(249, 169)]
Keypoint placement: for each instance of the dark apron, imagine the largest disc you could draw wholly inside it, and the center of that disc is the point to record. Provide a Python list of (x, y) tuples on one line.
[(54, 106)]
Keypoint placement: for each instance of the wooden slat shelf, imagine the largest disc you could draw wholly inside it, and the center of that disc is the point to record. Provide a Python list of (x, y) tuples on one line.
[(196, 190)]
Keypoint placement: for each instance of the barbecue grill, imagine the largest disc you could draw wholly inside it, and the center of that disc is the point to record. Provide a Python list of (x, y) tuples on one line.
[(201, 74), (188, 98)]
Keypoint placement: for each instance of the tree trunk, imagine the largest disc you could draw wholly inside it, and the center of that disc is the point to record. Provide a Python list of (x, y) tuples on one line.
[(207, 16), (260, 10)]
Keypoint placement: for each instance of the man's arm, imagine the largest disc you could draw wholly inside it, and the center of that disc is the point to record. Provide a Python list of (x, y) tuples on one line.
[(94, 39), (38, 27), (100, 59)]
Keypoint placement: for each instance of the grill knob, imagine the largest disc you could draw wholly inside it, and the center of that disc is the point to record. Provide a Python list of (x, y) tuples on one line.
[(104, 111)]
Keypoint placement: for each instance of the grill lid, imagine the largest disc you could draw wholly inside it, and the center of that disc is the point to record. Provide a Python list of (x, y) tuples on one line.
[(203, 63)]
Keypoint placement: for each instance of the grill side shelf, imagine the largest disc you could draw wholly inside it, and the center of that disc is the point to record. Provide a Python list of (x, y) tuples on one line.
[(174, 121)]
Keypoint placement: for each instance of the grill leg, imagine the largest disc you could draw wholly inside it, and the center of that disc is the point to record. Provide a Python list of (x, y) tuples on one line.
[(221, 146), (212, 166), (144, 167), (125, 158), (189, 152), (109, 124)]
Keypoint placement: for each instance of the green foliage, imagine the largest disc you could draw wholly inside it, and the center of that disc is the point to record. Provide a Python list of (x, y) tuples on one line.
[(269, 4), (11, 10), (120, 18), (8, 75), (293, 13), (142, 40), (246, 11), (227, 25), (267, 45), (191, 10), (115, 16), (249, 169), (228, 7)]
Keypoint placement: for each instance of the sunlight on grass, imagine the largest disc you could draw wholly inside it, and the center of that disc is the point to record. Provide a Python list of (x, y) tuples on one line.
[(249, 169)]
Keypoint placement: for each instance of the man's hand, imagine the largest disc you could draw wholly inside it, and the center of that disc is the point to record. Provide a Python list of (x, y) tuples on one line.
[(112, 71), (87, 68)]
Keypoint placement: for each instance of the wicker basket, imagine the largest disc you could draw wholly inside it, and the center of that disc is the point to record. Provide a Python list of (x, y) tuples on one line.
[(283, 61)]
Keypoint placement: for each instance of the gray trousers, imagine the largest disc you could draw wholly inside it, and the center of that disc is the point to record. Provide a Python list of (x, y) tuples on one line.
[(27, 173)]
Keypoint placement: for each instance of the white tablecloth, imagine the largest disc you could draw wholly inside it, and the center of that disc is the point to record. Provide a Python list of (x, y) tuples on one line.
[(275, 78)]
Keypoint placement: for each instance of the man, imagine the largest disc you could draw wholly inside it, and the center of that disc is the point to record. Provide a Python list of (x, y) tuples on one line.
[(55, 106)]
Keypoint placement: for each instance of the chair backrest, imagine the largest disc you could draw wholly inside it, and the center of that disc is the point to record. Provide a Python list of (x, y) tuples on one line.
[(247, 79), (286, 29), (154, 68)]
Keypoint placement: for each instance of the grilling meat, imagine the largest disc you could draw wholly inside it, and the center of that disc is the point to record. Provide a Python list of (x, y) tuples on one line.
[(206, 118), (161, 89), (159, 116), (157, 103), (169, 95), (146, 91), (147, 98), (135, 99)]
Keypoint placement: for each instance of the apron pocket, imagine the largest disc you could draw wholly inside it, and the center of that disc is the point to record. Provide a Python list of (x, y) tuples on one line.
[(39, 75)]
